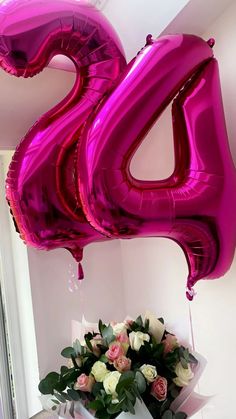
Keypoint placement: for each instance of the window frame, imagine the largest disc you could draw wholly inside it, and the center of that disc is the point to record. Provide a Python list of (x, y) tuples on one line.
[(16, 290)]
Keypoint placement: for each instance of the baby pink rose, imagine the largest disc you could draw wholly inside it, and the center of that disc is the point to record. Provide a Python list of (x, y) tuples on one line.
[(159, 388), (170, 343), (122, 363), (115, 351), (84, 383), (122, 338)]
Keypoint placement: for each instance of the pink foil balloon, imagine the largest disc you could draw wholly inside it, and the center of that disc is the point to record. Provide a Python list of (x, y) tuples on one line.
[(41, 187), (196, 205), (80, 151)]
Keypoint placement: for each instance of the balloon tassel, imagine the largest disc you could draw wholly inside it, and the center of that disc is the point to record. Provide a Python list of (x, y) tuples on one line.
[(190, 294), (80, 272), (211, 42)]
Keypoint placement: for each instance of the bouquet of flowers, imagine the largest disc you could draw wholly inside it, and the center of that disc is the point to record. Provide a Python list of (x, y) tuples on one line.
[(118, 367)]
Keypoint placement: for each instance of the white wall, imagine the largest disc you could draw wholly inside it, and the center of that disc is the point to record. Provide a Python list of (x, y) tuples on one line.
[(214, 309)]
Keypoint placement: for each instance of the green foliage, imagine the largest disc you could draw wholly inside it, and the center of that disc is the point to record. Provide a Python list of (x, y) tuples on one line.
[(107, 334), (68, 352), (139, 326), (48, 384)]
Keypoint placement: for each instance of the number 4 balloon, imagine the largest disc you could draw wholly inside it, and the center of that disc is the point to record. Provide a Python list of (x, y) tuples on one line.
[(69, 182)]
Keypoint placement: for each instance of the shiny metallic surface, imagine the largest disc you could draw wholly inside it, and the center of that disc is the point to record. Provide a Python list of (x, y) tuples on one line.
[(41, 187), (196, 205), (69, 182)]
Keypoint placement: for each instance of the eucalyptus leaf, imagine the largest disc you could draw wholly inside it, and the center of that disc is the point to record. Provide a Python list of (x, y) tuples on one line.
[(72, 409), (103, 358), (184, 363), (47, 385), (130, 407), (55, 401), (126, 380), (140, 382), (139, 321), (167, 415), (59, 397), (107, 334), (97, 387), (180, 415), (68, 352), (73, 394)]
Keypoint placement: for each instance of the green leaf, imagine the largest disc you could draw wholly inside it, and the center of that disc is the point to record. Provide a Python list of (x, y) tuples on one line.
[(68, 352), (136, 393), (186, 354), (184, 363), (140, 382), (95, 405), (59, 397), (88, 343), (55, 401), (146, 326), (101, 326), (60, 385), (72, 409), (130, 395), (103, 358), (67, 397), (174, 392), (107, 334), (114, 408), (139, 321), (64, 369), (130, 407), (161, 320), (126, 379), (180, 415), (96, 389), (167, 415), (47, 385), (159, 350), (73, 394)]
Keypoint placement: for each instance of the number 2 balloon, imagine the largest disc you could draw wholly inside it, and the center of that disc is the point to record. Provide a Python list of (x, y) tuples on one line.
[(69, 183)]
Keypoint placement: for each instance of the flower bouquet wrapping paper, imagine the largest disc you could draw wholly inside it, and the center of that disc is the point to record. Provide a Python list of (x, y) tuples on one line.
[(124, 370)]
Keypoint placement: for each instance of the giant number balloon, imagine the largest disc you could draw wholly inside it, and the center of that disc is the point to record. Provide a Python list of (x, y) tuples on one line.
[(41, 187), (196, 205), (69, 182)]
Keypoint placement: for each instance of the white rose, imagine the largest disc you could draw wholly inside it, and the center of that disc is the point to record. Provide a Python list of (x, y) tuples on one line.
[(149, 372), (110, 382), (184, 375), (99, 371), (137, 339), (119, 328)]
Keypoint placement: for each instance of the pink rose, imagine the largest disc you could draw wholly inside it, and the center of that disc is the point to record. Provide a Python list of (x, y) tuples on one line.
[(122, 363), (170, 343), (159, 388), (122, 338), (84, 383), (115, 351)]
